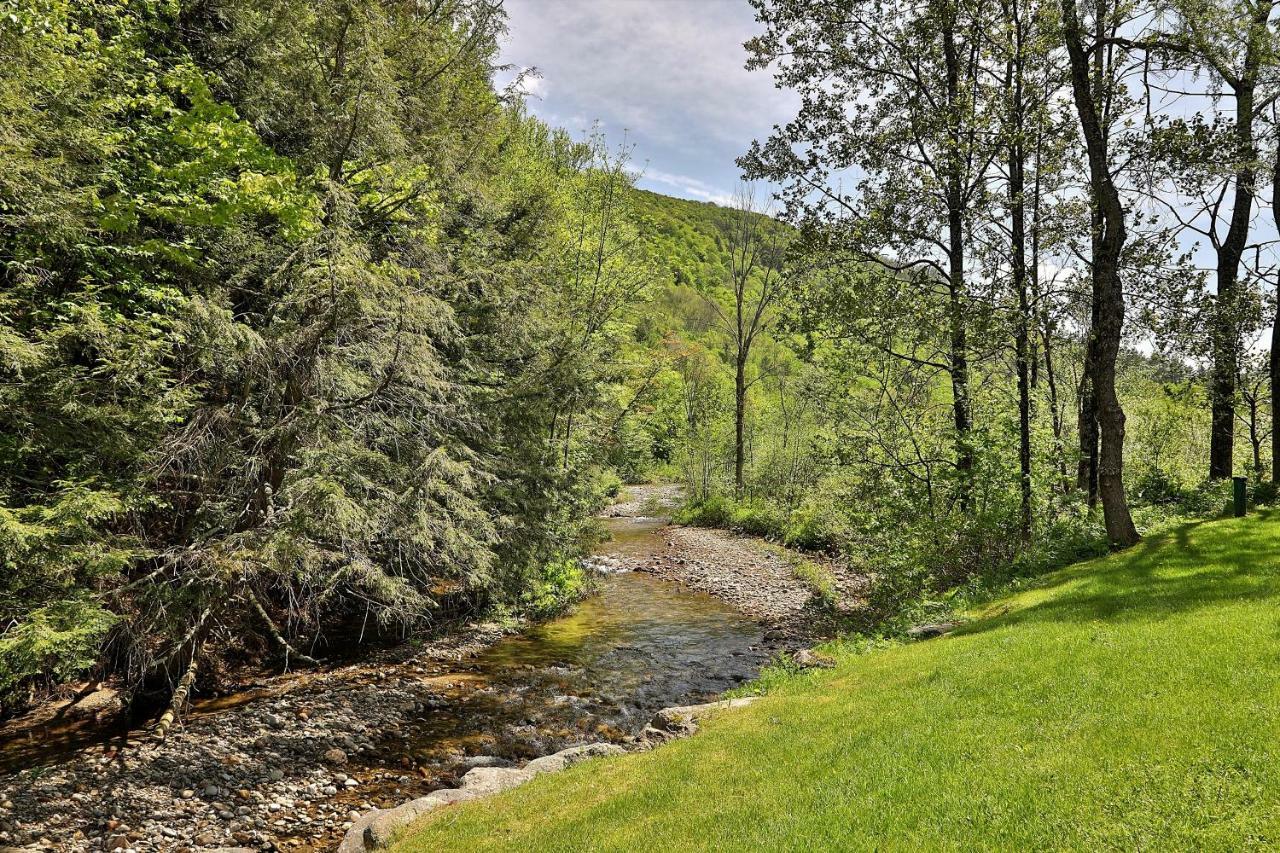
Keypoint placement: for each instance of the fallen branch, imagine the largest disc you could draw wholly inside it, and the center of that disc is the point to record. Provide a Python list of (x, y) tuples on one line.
[(277, 636), (179, 697)]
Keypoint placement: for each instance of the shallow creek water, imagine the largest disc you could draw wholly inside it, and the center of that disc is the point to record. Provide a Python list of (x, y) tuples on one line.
[(638, 645)]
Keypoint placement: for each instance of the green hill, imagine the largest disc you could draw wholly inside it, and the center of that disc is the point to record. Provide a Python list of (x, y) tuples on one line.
[(1128, 702), (687, 237)]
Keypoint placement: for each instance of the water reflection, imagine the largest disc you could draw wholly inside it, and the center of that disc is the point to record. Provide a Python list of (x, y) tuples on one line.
[(637, 646)]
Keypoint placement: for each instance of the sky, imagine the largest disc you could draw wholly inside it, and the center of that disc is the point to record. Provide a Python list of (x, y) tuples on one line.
[(666, 76)]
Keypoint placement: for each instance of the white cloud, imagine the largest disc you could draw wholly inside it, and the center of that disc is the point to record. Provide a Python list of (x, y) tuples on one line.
[(668, 73), (688, 186)]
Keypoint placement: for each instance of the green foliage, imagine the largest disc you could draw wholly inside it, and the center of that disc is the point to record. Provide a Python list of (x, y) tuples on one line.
[(53, 643), (559, 585), (817, 576), (296, 308)]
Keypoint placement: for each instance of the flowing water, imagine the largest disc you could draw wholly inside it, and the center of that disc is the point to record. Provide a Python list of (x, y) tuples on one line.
[(261, 770), (636, 646)]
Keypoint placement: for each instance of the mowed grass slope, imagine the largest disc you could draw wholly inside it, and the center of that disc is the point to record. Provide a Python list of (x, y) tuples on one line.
[(1128, 702)]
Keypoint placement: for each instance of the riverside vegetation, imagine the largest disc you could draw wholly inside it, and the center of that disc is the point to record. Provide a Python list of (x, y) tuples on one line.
[(314, 342), (1125, 702)]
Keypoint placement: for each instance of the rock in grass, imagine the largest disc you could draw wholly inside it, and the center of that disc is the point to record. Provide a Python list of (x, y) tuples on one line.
[(568, 757), (377, 829), (682, 720), (809, 659), (483, 781), (936, 629), (484, 761)]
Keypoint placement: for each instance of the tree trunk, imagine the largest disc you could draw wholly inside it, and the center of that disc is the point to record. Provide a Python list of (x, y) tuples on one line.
[(1087, 430), (1046, 321), (1254, 440), (1275, 339), (959, 354), (1108, 296), (1226, 326), (739, 420), (1055, 413), (179, 698), (1226, 323), (1017, 208)]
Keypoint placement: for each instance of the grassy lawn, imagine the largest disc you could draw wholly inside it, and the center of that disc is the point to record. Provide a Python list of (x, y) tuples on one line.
[(1128, 702)]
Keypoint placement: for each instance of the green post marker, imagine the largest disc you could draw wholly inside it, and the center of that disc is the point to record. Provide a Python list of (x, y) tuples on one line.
[(1241, 502)]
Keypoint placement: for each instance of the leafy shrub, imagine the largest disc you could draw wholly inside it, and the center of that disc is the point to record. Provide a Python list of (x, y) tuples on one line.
[(807, 528), (559, 585), (607, 484), (1157, 487), (810, 528), (713, 511), (53, 643)]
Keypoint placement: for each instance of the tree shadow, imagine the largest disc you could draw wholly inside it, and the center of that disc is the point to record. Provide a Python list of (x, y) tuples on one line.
[(1190, 567)]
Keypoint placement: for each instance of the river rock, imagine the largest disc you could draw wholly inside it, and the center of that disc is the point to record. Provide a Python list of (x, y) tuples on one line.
[(682, 720), (485, 761), (568, 757), (376, 829), (484, 781), (382, 828)]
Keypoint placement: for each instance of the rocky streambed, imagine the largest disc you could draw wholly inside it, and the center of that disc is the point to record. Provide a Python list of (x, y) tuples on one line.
[(294, 765)]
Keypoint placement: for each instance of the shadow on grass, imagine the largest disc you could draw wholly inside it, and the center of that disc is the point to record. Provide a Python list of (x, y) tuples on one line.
[(1192, 566)]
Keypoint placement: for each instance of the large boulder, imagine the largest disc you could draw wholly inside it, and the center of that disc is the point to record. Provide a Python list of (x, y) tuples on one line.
[(936, 629), (682, 720), (376, 829), (568, 757), (809, 659), (484, 781)]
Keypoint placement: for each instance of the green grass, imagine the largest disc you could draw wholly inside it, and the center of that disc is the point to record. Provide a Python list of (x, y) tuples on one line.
[(1131, 702)]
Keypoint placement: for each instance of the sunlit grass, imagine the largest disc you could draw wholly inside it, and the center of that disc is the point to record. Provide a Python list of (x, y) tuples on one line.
[(1128, 702)]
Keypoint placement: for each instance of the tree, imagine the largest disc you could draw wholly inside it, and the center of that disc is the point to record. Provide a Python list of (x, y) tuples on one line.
[(894, 90), (1274, 360), (1253, 393), (1029, 80), (1232, 40), (756, 251), (1107, 298), (292, 301)]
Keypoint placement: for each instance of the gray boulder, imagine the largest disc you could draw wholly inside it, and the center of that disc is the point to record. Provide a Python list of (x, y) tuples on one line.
[(376, 830), (937, 629)]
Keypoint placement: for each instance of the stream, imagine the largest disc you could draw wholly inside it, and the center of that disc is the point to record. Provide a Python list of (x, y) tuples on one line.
[(265, 773), (636, 646)]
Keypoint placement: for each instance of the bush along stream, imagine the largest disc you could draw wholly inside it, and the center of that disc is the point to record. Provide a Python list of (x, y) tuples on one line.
[(680, 616)]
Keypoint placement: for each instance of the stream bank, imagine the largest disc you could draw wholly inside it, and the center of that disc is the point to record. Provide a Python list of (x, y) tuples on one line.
[(292, 767)]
